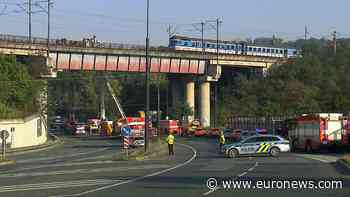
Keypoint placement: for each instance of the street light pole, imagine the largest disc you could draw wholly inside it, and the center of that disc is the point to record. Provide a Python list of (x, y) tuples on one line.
[(158, 106), (30, 20), (147, 83), (48, 27)]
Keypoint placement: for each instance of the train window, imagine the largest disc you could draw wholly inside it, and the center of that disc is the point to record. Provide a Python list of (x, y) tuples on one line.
[(233, 47), (263, 50), (254, 49), (208, 45), (185, 43), (259, 49), (250, 49), (272, 50), (267, 50)]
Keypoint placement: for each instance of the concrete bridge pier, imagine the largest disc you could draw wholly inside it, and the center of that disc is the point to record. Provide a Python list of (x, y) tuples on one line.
[(190, 98), (205, 103)]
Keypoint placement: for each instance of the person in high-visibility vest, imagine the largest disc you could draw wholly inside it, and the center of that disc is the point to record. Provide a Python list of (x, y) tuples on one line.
[(170, 141), (221, 140)]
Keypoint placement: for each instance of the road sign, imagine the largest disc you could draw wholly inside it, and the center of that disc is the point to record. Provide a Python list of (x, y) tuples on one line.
[(126, 130), (4, 134)]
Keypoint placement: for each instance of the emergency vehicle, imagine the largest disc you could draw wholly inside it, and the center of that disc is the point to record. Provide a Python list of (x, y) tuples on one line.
[(313, 131), (170, 126), (257, 145)]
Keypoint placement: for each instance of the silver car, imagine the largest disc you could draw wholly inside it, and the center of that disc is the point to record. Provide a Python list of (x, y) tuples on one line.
[(258, 144)]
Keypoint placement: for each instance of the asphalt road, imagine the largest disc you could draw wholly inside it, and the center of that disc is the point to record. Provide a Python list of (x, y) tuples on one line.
[(84, 167)]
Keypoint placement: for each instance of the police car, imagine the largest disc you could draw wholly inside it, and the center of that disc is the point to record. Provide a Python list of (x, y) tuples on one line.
[(258, 144)]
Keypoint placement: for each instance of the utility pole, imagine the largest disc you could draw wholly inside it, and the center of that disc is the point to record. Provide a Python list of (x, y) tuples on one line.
[(171, 30), (201, 30), (48, 27), (30, 20), (202, 39), (306, 32), (147, 83), (218, 22), (335, 42), (217, 28), (158, 106)]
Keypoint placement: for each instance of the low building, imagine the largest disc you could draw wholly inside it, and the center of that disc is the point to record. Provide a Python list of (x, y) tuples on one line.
[(25, 132)]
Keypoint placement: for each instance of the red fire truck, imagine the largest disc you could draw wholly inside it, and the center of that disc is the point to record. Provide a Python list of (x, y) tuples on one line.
[(313, 131), (172, 126)]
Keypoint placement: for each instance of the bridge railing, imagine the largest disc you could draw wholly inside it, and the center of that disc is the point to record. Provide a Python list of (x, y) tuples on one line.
[(86, 43)]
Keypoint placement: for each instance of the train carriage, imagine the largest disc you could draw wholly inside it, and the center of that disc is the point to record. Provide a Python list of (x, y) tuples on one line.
[(230, 47)]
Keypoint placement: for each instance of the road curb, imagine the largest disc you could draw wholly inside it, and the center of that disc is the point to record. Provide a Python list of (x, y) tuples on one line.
[(344, 164), (48, 145), (97, 137), (7, 162)]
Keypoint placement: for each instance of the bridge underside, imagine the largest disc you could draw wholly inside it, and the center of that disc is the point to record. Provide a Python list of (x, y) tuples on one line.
[(118, 63)]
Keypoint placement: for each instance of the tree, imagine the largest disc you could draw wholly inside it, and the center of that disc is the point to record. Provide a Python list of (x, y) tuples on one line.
[(19, 91), (316, 82)]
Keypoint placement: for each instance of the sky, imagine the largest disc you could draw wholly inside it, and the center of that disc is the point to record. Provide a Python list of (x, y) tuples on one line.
[(124, 21)]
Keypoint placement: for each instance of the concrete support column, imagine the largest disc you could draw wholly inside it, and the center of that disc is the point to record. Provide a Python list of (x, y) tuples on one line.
[(205, 103), (190, 97)]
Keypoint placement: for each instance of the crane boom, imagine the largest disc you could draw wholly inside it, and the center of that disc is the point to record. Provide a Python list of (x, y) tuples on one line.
[(119, 106)]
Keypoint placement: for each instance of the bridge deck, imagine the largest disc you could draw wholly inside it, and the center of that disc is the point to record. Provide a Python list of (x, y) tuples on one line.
[(133, 60)]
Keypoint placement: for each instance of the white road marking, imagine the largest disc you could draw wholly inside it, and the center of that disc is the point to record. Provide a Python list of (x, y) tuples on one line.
[(322, 158), (84, 171), (139, 178), (240, 175), (211, 191), (60, 165), (55, 185)]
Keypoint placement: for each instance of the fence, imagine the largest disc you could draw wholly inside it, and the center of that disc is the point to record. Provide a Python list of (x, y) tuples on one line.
[(271, 124)]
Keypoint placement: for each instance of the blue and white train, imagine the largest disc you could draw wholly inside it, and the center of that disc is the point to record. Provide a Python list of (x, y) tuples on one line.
[(229, 47)]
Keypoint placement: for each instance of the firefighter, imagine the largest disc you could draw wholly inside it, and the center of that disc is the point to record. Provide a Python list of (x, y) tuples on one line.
[(221, 140), (170, 141)]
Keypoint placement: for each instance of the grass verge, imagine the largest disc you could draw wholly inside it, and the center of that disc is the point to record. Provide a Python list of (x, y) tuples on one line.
[(6, 162), (157, 150), (346, 159)]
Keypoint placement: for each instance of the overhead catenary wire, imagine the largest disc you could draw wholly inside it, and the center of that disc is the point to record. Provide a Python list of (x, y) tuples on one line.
[(132, 24)]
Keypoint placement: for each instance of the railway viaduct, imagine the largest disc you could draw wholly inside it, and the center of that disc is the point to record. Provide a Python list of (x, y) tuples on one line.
[(182, 67)]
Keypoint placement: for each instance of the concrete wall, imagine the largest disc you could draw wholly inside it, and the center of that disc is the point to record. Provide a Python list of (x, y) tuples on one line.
[(29, 131)]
